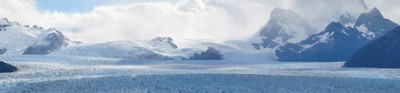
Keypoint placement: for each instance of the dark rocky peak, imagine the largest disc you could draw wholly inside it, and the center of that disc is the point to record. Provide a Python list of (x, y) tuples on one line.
[(374, 13), (334, 27), (209, 54), (3, 50), (36, 27)]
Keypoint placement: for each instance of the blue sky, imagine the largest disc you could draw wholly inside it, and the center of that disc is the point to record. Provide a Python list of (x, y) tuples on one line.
[(67, 5), (79, 6)]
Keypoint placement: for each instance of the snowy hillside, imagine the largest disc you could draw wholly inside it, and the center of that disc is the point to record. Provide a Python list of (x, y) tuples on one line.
[(115, 49), (162, 48), (17, 40)]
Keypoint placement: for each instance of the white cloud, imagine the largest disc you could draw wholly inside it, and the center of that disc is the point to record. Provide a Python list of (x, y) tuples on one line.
[(22, 11), (182, 19), (187, 19)]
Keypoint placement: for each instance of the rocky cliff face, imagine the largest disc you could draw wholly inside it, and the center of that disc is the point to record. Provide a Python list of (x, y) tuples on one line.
[(382, 52), (209, 54)]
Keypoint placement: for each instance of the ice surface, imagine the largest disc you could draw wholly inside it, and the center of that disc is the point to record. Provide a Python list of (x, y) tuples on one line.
[(48, 74)]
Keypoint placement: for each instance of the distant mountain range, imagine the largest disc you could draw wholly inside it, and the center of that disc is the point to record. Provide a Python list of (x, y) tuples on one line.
[(16, 40), (288, 34), (337, 42)]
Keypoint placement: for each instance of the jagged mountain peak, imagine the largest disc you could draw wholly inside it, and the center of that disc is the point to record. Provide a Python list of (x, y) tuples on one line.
[(375, 13), (372, 15), (373, 24)]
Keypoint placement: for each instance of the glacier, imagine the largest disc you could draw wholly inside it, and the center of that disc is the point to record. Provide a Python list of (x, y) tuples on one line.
[(82, 74)]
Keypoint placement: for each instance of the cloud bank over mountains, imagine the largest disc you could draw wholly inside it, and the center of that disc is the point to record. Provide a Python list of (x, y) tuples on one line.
[(183, 19)]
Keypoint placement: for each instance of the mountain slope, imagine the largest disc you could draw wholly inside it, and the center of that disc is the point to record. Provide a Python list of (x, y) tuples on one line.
[(335, 43), (114, 49), (283, 26), (382, 52)]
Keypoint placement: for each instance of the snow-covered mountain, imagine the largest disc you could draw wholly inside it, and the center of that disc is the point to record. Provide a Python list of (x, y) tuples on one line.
[(18, 40), (53, 41), (283, 26), (335, 43), (382, 52), (373, 24)]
